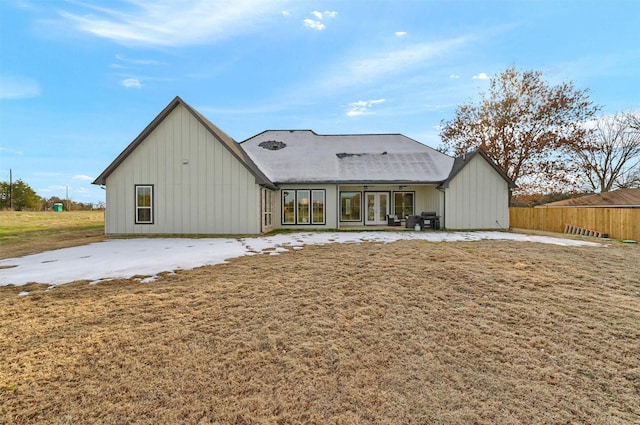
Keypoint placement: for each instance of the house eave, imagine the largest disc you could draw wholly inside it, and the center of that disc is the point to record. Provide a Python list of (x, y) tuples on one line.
[(360, 182)]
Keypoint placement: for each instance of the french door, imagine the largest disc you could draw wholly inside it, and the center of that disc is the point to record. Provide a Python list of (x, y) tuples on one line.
[(377, 208)]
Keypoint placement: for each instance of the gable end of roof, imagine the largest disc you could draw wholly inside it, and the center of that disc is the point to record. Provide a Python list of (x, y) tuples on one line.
[(102, 178), (234, 148), (461, 161)]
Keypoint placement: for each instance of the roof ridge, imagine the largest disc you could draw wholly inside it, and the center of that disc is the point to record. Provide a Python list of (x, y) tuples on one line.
[(333, 135)]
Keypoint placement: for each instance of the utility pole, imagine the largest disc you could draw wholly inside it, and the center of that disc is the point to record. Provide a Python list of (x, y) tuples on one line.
[(10, 190)]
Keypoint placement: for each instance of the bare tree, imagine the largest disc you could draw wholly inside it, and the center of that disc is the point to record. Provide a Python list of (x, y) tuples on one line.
[(610, 156), (629, 180), (524, 125)]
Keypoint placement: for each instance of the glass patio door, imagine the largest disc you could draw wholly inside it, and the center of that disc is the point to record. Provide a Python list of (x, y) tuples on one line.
[(377, 208)]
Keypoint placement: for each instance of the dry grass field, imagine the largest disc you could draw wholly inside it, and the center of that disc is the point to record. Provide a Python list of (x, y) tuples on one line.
[(23, 233), (403, 333)]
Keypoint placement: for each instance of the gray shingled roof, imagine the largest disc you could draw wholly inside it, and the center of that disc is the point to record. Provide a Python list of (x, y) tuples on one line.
[(302, 156), (288, 156)]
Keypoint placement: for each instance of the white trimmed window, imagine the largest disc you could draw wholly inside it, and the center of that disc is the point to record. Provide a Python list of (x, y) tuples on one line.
[(144, 204)]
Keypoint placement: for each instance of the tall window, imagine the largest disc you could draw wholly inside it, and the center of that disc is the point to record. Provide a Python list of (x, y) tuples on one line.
[(144, 204), (288, 207), (303, 206), (350, 204), (267, 207), (317, 201), (403, 204)]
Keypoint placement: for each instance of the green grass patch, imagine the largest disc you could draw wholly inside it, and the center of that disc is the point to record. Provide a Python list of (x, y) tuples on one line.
[(13, 222), (24, 233)]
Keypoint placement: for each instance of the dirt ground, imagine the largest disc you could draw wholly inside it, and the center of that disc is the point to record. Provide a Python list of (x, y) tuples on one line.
[(410, 332)]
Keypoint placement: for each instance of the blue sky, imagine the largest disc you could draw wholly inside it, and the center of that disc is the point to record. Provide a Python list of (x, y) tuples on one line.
[(79, 80)]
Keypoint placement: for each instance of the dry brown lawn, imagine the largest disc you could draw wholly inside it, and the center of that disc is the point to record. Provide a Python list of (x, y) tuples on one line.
[(403, 333), (25, 232)]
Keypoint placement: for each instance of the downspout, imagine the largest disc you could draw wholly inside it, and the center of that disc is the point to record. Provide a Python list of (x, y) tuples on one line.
[(444, 207), (261, 203), (338, 206), (104, 213)]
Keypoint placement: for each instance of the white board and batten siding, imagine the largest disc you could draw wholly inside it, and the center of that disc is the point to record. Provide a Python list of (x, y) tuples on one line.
[(199, 186), (477, 198), (428, 198)]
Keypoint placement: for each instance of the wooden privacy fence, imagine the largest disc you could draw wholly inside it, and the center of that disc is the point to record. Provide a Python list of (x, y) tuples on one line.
[(618, 223)]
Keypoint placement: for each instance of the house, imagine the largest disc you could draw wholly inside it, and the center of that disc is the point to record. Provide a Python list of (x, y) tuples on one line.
[(183, 175), (622, 198)]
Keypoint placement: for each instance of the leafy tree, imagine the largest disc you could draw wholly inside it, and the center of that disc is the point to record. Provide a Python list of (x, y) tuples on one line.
[(23, 196), (609, 158), (525, 125)]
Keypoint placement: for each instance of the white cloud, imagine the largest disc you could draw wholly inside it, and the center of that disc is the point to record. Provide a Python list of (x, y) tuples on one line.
[(454, 76), (380, 64), (362, 107), (325, 14), (170, 22), (17, 87), (122, 58), (131, 83), (82, 177), (316, 25), (286, 13), (481, 76), (401, 33)]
